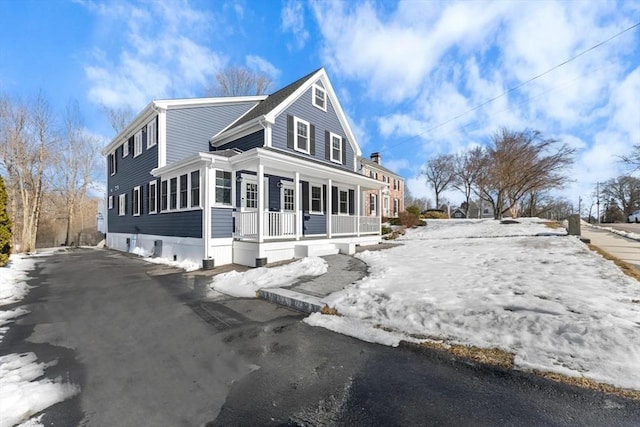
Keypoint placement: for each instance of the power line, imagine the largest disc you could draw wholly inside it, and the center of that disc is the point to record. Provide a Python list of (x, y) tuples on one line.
[(508, 91)]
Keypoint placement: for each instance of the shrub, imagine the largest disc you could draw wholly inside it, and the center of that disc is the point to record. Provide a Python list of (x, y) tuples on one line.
[(415, 210), (408, 219), (436, 215), (5, 226), (386, 230), (394, 221)]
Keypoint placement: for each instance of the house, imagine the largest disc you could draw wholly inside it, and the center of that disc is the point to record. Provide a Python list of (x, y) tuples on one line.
[(392, 202), (245, 180)]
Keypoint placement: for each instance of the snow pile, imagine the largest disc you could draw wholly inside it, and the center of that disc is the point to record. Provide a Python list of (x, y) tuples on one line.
[(23, 391), (141, 252), (549, 300), (627, 234), (245, 285), (186, 265), (22, 394)]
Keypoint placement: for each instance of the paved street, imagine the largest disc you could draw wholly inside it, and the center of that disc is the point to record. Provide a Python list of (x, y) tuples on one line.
[(147, 349)]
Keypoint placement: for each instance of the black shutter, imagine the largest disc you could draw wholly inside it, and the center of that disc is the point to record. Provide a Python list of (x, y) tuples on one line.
[(145, 201), (312, 140), (305, 196), (324, 198), (352, 198), (344, 151), (144, 136), (289, 131), (334, 200), (130, 142), (327, 145)]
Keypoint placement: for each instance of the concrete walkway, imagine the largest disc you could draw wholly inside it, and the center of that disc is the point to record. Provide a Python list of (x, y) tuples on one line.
[(624, 248)]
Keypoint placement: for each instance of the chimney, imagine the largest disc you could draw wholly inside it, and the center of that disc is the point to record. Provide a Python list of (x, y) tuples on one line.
[(375, 157)]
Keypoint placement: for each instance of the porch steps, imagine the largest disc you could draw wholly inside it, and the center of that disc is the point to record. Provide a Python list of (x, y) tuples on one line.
[(296, 300), (302, 251)]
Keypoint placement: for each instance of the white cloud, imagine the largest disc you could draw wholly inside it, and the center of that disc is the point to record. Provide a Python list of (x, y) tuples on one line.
[(162, 55), (293, 20), (260, 64)]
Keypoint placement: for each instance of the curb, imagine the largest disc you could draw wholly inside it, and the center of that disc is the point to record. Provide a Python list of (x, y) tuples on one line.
[(292, 299)]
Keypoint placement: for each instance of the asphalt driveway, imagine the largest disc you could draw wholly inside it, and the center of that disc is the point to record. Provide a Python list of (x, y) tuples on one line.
[(148, 349)]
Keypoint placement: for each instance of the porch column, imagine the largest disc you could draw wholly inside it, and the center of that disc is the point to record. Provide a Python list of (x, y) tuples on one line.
[(358, 210), (329, 207), (260, 179), (297, 192), (379, 208)]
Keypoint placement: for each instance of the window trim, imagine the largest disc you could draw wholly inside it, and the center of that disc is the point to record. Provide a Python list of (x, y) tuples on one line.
[(113, 163), (152, 137), (311, 187), (173, 201), (153, 190), (339, 138), (136, 197), (122, 204), (183, 204), (373, 204), (191, 188), (317, 89), (164, 197), (110, 202), (137, 144), (286, 186), (125, 148), (344, 191), (297, 120)]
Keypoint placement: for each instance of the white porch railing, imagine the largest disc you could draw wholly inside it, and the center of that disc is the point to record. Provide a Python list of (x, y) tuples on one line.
[(282, 225), (348, 224)]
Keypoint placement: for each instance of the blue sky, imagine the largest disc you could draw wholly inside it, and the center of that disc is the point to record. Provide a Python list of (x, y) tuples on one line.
[(408, 74)]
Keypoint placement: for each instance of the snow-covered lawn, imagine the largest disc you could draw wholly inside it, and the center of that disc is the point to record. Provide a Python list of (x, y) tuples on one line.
[(627, 234), (245, 285), (548, 299), (24, 391)]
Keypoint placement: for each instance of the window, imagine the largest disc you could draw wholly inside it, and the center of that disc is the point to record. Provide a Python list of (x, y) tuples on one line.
[(152, 135), (184, 190), (112, 163), (223, 187), (320, 98), (136, 201), (153, 193), (122, 204), (372, 204), (195, 189), (125, 149), (110, 202), (301, 135), (163, 196), (396, 207), (173, 193), (336, 148), (395, 184), (137, 144), (343, 202), (316, 199), (251, 195), (287, 199)]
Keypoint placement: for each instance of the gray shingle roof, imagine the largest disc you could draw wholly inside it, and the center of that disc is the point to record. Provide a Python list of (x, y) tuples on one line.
[(271, 101), (372, 164)]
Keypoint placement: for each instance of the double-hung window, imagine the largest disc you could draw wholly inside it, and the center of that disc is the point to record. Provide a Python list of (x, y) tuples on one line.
[(336, 148), (184, 190), (110, 203), (152, 135), (137, 144), (396, 207), (173, 193), (136, 202), (195, 189), (223, 187), (153, 193), (112, 163), (122, 205), (164, 195), (125, 148), (320, 97), (315, 195), (372, 204), (301, 135), (343, 202)]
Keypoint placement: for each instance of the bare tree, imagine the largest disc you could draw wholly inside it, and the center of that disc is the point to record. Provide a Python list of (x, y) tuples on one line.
[(633, 158), (624, 191), (26, 137), (518, 163), (466, 172), (439, 172), (78, 163), (119, 118), (239, 81)]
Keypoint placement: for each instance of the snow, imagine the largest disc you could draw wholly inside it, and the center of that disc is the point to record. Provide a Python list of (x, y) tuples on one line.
[(246, 284), (522, 288), (186, 265), (627, 234), (23, 389)]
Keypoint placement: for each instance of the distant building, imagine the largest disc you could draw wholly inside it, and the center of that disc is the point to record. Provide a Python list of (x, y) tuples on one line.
[(392, 197)]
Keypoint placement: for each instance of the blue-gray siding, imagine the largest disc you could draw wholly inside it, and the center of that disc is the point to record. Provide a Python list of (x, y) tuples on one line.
[(221, 222), (323, 121), (189, 129), (247, 142), (175, 224)]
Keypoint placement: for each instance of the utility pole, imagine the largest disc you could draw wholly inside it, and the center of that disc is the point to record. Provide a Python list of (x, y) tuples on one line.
[(598, 201)]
